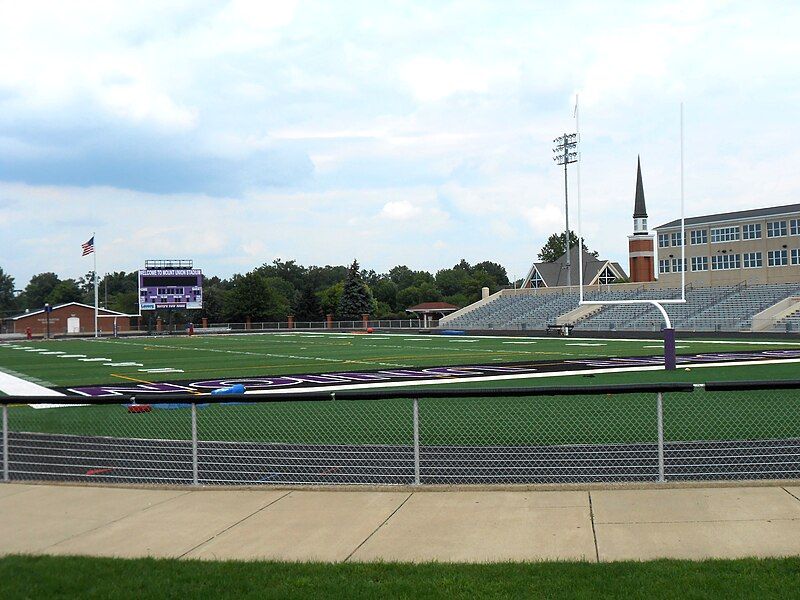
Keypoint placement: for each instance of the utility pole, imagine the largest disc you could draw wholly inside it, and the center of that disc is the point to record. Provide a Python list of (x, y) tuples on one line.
[(566, 154)]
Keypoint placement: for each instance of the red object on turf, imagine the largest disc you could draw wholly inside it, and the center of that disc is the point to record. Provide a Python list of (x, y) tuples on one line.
[(370, 330), (139, 408)]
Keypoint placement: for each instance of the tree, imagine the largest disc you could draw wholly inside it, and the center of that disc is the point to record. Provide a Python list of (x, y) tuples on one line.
[(308, 306), (7, 302), (65, 291), (39, 289), (356, 297), (252, 296), (330, 296), (555, 247)]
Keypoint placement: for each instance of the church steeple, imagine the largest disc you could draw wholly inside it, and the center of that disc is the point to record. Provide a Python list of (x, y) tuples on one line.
[(639, 208)]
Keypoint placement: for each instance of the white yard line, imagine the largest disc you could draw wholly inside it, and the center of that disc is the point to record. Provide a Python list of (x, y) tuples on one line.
[(16, 386), (452, 380)]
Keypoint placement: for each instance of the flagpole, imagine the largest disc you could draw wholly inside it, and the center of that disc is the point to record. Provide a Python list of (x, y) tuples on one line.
[(94, 254)]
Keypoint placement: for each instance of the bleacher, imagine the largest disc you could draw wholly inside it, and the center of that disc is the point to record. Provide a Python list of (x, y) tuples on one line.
[(722, 308)]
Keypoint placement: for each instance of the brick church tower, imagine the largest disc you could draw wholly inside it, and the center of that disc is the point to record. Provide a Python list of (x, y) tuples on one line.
[(640, 244)]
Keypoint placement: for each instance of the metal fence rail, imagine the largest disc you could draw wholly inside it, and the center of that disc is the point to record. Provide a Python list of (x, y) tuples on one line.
[(659, 432)]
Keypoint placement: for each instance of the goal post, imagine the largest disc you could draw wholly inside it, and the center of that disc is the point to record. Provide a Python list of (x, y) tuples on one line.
[(668, 330)]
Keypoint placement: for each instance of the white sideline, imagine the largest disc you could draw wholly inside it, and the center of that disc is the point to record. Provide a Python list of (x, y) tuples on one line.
[(16, 386)]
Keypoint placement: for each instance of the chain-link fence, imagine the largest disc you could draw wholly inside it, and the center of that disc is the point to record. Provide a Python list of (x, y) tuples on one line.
[(658, 432)]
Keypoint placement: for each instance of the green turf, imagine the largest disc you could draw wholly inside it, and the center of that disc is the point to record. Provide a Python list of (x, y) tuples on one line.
[(212, 357), (497, 421), (38, 577)]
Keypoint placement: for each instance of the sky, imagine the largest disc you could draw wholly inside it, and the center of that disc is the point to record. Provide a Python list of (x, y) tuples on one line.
[(416, 133)]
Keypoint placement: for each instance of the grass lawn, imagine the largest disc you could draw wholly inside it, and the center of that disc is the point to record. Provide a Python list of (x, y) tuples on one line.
[(71, 577), (69, 362)]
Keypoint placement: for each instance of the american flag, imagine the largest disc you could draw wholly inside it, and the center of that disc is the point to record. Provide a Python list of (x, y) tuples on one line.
[(88, 247)]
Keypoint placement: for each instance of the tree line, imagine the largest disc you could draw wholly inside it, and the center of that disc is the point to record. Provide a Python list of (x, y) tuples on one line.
[(275, 290)]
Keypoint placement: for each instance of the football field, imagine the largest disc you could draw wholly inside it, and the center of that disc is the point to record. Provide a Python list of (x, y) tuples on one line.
[(596, 435), (86, 362)]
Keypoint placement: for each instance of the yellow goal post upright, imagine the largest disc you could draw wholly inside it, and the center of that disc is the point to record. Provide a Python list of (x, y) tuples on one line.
[(669, 331)]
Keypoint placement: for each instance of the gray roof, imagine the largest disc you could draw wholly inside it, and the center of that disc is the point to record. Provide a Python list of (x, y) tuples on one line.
[(754, 213), (639, 209), (57, 306), (555, 273)]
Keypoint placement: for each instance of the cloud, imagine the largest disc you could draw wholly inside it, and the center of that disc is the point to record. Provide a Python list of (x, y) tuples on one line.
[(401, 210), (237, 131), (432, 79)]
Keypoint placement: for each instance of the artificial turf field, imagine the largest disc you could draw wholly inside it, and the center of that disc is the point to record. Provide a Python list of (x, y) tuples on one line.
[(89, 361), (581, 419)]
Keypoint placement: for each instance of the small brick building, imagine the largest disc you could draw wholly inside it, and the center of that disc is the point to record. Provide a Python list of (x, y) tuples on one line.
[(72, 317)]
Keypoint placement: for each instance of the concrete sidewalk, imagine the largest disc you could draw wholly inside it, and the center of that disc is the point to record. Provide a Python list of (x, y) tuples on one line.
[(335, 525)]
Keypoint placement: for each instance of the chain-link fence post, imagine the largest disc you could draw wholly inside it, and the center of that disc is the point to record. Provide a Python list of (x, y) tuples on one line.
[(660, 426), (5, 442), (194, 444), (416, 441)]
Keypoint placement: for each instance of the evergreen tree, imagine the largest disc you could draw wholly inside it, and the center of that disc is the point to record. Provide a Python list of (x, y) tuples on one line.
[(356, 297), (308, 307)]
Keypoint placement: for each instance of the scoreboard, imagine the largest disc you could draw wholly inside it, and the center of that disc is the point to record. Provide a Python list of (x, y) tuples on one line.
[(169, 284)]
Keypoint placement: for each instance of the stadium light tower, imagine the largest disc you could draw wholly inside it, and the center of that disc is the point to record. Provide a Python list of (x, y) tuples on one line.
[(565, 153)]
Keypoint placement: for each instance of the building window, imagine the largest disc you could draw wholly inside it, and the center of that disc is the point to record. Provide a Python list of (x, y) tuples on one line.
[(606, 276), (640, 224), (663, 240), (751, 231), (699, 263), (795, 226), (676, 265), (724, 234), (698, 236), (776, 229), (752, 260), (796, 256), (778, 258), (721, 262), (676, 239), (536, 280), (663, 266)]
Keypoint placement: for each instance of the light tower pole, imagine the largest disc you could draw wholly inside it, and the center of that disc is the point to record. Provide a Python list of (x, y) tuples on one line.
[(565, 154)]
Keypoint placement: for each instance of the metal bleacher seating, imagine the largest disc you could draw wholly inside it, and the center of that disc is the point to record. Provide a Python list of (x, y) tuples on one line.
[(722, 308)]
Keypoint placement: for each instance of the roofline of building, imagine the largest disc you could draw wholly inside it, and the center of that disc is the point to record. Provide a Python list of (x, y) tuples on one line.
[(40, 311), (737, 216)]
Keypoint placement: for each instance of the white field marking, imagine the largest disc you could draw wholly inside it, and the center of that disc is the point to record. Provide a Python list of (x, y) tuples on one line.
[(451, 380), (463, 341), (72, 356), (123, 364), (420, 339), (662, 345), (491, 337), (94, 359), (35, 350), (53, 352), (16, 386), (267, 354), (583, 344), (161, 370), (519, 342), (55, 405)]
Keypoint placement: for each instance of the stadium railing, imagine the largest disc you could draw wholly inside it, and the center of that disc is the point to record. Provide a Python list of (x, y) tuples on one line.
[(554, 435)]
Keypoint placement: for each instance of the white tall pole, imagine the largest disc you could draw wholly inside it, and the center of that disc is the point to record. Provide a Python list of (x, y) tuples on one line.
[(578, 187), (683, 223), (96, 311)]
